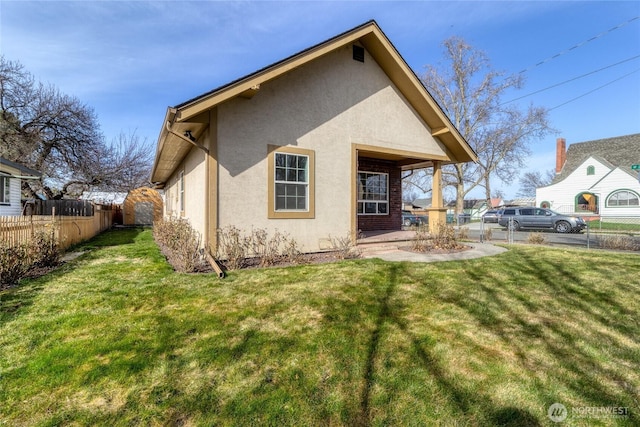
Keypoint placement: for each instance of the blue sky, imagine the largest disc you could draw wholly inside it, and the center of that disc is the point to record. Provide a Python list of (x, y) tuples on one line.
[(130, 60)]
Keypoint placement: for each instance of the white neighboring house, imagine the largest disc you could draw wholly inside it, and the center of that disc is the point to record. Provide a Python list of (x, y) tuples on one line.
[(11, 176), (595, 178)]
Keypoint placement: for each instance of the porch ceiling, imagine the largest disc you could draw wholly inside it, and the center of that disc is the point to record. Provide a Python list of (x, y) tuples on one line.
[(404, 161)]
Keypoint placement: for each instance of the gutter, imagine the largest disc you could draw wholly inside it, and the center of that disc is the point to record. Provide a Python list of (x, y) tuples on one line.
[(21, 177), (185, 138)]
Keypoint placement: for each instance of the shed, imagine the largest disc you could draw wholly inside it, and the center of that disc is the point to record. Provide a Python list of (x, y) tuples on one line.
[(142, 206)]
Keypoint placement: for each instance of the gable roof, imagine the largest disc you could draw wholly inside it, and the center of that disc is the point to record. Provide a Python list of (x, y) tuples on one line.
[(620, 151), (23, 169), (188, 116)]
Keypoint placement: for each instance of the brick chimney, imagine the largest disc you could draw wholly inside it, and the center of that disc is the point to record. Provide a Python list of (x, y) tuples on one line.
[(561, 154)]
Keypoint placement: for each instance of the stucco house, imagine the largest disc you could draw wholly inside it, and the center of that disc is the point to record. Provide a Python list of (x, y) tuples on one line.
[(11, 176), (313, 145), (595, 178)]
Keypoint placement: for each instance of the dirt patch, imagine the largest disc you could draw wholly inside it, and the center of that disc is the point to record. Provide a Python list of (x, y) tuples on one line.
[(302, 259)]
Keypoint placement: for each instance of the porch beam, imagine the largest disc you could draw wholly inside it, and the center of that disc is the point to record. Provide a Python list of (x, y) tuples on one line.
[(437, 212)]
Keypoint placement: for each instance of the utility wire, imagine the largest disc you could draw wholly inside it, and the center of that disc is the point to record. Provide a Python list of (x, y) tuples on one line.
[(591, 91), (572, 79), (579, 45)]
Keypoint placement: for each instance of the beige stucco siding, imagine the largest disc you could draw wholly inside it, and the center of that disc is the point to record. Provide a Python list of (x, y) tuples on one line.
[(194, 168), (325, 106)]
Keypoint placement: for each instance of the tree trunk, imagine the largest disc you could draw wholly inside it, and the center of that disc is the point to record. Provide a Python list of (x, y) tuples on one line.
[(487, 191)]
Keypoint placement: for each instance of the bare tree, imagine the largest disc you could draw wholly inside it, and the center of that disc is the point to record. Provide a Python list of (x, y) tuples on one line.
[(417, 182), (532, 180), (469, 91), (58, 135), (130, 160)]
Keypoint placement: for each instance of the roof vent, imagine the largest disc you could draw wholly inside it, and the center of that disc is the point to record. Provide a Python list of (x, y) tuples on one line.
[(358, 53)]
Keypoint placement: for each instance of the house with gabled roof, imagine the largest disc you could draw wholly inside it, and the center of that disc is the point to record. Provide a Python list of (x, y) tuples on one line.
[(595, 178), (11, 176), (313, 145)]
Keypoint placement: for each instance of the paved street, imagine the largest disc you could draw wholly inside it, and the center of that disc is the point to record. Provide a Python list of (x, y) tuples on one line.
[(499, 234)]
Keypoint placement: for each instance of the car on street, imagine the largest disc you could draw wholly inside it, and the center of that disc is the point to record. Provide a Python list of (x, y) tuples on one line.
[(516, 218), (491, 216), (409, 219)]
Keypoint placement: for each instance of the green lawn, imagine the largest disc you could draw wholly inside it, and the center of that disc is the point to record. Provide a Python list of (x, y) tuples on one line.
[(615, 226), (117, 338)]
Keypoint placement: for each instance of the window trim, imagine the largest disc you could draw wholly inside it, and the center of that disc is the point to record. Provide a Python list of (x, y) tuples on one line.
[(272, 213), (613, 193), (5, 189), (181, 201), (359, 200)]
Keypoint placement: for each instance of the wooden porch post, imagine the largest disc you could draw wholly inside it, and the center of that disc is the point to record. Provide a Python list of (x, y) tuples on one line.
[(437, 212)]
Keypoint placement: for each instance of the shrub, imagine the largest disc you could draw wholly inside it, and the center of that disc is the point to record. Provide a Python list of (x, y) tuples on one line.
[(265, 248), (536, 239), (624, 243), (233, 247), (236, 249), (488, 233), (292, 253), (345, 247), (180, 243), (421, 241), (44, 248), (443, 238), (14, 262), (463, 233)]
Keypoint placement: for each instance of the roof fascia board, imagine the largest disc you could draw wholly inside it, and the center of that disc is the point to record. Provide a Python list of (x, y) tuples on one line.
[(23, 169), (385, 53), (169, 116)]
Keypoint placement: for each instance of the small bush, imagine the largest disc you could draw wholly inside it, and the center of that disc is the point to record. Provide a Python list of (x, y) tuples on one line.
[(463, 233), (488, 233), (265, 248), (345, 247), (421, 241), (536, 239), (14, 262), (17, 261), (238, 250), (443, 238), (45, 250), (180, 243), (292, 253), (623, 243), (233, 247)]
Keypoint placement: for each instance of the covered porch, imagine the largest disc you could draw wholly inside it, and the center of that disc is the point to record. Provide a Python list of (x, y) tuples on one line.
[(377, 198)]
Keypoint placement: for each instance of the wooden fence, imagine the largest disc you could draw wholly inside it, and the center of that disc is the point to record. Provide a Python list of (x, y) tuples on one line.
[(69, 230)]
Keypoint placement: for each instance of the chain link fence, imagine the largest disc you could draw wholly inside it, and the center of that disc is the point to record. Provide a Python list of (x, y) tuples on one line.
[(610, 232)]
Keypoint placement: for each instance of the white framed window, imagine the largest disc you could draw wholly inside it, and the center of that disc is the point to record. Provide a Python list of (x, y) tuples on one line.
[(623, 198), (373, 193), (181, 191), (291, 183), (5, 190)]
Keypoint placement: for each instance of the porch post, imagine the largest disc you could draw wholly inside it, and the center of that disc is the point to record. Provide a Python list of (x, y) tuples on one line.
[(437, 212)]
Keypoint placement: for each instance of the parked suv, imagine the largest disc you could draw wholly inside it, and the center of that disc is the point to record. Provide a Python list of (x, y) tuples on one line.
[(530, 217)]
